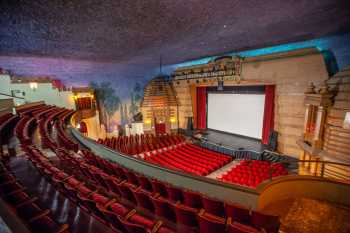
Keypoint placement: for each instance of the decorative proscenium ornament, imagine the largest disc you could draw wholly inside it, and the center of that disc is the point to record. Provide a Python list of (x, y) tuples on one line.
[(310, 89)]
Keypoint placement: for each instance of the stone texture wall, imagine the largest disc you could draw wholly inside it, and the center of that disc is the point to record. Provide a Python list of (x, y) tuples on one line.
[(291, 72)]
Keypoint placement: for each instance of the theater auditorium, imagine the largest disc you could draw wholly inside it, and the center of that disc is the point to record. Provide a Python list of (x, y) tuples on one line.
[(174, 116)]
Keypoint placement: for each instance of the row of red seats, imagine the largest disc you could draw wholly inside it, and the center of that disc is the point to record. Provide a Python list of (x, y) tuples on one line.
[(45, 126), (174, 204), (28, 109), (190, 158), (174, 199), (62, 138), (23, 129), (26, 207), (136, 144), (252, 172), (84, 103), (98, 203)]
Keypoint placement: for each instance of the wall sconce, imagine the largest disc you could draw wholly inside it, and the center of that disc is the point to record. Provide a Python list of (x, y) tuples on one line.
[(33, 86)]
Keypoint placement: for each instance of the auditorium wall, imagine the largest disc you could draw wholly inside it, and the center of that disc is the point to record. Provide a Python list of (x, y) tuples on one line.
[(291, 72)]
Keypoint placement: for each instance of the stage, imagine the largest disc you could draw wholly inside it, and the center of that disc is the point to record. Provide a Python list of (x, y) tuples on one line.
[(233, 141)]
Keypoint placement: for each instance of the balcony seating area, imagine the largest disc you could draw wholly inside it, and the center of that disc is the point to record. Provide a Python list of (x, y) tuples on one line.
[(189, 158), (37, 220), (252, 172), (84, 103), (131, 202), (136, 144)]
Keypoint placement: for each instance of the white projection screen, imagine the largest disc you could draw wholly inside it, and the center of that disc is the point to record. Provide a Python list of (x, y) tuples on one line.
[(240, 114)]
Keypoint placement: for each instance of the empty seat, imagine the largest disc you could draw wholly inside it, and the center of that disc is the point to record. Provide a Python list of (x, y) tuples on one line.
[(174, 193), (186, 215), (163, 208), (143, 200), (238, 213), (269, 223), (145, 183), (236, 227), (192, 199), (159, 187), (209, 223), (213, 206)]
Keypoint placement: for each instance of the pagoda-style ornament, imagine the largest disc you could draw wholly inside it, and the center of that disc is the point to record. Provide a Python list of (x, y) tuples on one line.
[(315, 115), (311, 143)]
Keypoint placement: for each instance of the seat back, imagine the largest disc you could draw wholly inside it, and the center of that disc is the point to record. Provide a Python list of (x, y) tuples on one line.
[(213, 206), (238, 213), (192, 199), (163, 208), (174, 194), (270, 223), (186, 215), (159, 187), (132, 227), (145, 183), (126, 193), (210, 224), (143, 200), (240, 228)]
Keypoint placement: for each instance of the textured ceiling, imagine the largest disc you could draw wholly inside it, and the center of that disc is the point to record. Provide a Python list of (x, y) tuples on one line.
[(139, 31)]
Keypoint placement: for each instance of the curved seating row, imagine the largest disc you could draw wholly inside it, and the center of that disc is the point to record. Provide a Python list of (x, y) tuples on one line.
[(23, 129), (62, 138), (98, 203), (29, 109), (136, 144), (252, 172), (189, 158), (7, 123)]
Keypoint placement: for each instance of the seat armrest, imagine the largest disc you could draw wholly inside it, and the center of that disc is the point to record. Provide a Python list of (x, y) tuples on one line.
[(130, 214), (157, 226), (41, 215)]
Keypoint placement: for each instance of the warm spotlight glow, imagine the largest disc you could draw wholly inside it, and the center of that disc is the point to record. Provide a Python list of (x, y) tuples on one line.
[(172, 119), (346, 124), (148, 121), (33, 86)]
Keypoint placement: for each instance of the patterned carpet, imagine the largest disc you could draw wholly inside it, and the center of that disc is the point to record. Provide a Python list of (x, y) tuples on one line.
[(311, 216)]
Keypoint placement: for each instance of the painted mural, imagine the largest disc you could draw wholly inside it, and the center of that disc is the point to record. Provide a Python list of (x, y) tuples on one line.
[(117, 109)]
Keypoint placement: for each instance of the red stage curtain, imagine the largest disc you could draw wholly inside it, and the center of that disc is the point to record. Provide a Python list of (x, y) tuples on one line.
[(201, 108), (268, 123)]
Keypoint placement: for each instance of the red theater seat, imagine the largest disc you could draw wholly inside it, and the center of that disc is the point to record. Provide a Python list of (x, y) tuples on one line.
[(185, 215), (209, 223), (213, 206), (238, 213), (143, 199), (269, 223), (174, 194), (236, 227), (192, 199), (163, 208)]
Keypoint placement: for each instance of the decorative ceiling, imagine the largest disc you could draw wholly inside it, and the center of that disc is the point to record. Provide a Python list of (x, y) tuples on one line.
[(133, 33)]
